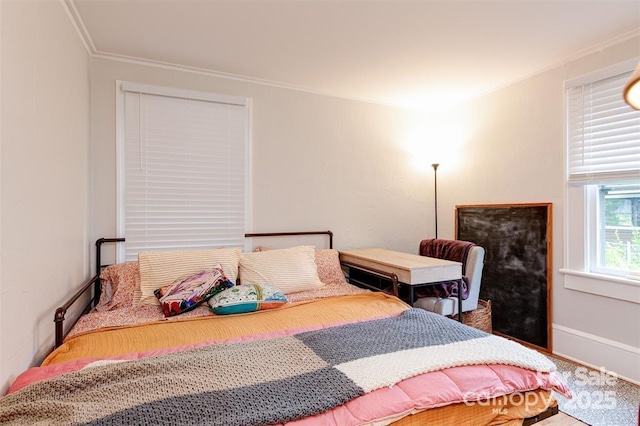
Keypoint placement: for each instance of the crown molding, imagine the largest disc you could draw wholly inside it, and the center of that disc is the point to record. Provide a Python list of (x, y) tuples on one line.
[(85, 37), (602, 45), (235, 77), (71, 11), (573, 57)]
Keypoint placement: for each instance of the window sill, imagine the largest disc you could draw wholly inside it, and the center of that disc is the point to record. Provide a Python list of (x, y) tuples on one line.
[(602, 285)]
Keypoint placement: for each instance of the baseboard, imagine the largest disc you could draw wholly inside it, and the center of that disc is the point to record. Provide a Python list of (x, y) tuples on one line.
[(597, 352)]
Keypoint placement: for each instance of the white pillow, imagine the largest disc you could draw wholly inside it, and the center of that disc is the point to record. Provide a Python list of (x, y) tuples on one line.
[(158, 269), (289, 270)]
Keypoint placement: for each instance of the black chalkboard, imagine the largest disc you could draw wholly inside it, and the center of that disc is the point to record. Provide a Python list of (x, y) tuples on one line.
[(517, 271)]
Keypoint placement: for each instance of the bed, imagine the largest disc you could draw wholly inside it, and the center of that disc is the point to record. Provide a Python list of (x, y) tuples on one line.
[(331, 354)]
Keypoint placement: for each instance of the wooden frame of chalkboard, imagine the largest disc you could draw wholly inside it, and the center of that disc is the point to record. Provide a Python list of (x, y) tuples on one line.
[(517, 273)]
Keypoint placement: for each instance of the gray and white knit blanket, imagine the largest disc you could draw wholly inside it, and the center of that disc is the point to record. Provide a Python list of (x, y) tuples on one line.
[(264, 381)]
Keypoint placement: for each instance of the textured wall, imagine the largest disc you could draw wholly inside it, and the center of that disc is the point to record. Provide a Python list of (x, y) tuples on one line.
[(327, 163), (516, 155), (44, 177), (318, 162)]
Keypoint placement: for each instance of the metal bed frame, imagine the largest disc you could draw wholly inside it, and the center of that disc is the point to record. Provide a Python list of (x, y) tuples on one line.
[(95, 284)]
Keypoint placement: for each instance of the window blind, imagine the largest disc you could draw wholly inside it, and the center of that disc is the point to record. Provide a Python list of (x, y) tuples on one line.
[(603, 132), (184, 173)]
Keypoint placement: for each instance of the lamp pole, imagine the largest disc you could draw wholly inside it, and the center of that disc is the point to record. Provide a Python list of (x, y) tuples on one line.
[(435, 195)]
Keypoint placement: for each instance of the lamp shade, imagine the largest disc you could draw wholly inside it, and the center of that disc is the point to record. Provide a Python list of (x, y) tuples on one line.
[(632, 89)]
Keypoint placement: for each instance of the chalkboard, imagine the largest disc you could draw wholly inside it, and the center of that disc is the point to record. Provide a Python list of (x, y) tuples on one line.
[(517, 270)]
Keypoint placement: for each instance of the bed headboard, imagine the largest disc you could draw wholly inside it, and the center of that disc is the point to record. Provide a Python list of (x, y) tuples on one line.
[(285, 234), (99, 243), (94, 282)]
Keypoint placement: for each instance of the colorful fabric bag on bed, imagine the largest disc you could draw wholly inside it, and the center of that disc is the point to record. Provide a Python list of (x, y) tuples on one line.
[(246, 298), (187, 294)]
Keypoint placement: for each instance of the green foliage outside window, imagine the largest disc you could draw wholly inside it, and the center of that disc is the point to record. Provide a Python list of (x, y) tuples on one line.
[(623, 255), (622, 227)]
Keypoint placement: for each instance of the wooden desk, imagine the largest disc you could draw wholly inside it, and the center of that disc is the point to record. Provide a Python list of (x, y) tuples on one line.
[(404, 269)]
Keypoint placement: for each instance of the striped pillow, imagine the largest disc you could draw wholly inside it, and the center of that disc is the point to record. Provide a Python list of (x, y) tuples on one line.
[(289, 270), (158, 269)]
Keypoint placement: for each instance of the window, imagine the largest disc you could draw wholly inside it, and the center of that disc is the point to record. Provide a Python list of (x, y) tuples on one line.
[(618, 248), (182, 169), (603, 165)]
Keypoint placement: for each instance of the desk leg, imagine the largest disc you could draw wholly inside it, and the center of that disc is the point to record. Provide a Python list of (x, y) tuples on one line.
[(411, 295), (460, 300)]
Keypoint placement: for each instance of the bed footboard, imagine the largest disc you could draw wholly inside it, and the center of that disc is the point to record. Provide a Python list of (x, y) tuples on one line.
[(59, 316), (62, 310)]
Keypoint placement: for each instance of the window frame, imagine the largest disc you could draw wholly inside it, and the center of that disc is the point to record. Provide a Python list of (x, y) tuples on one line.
[(121, 87), (581, 220), (578, 216), (594, 238)]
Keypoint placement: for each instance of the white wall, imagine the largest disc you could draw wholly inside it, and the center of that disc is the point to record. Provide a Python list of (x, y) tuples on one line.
[(327, 163), (44, 176), (318, 162), (515, 154), (3, 384)]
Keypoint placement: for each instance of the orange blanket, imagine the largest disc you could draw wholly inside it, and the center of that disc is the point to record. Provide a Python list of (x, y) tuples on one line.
[(164, 334)]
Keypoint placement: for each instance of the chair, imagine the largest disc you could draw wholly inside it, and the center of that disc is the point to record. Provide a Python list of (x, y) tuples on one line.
[(472, 269)]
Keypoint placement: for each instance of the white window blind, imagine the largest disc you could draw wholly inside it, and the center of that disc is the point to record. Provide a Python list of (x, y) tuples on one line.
[(603, 131), (184, 173)]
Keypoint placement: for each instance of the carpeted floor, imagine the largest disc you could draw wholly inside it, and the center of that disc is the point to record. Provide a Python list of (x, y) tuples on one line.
[(598, 399)]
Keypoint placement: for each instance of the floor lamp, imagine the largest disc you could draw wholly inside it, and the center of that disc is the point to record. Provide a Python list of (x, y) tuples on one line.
[(435, 194)]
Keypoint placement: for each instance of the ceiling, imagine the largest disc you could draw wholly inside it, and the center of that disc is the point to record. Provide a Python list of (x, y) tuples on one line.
[(412, 54)]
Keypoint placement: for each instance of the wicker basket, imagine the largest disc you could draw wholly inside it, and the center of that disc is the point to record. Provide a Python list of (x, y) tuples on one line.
[(479, 318)]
